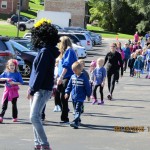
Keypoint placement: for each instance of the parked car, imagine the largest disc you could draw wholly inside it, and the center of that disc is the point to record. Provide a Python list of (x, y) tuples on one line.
[(26, 54), (84, 39), (14, 19), (7, 52), (72, 28), (23, 25), (73, 38), (80, 51)]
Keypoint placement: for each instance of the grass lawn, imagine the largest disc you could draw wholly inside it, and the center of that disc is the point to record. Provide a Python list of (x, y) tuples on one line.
[(10, 30), (107, 34)]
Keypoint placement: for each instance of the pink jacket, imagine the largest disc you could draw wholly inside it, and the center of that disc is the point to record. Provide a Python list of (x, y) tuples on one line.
[(10, 93)]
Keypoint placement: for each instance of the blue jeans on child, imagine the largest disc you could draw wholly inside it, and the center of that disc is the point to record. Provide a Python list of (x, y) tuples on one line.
[(36, 106), (78, 108)]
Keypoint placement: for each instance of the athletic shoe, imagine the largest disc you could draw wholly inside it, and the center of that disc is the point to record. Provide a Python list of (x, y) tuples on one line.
[(37, 147), (109, 97), (1, 119), (58, 108), (72, 124), (15, 120), (100, 102), (94, 101), (146, 76), (55, 109)]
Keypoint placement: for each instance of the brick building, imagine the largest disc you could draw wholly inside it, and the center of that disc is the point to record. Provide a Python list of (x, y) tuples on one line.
[(75, 7), (10, 6)]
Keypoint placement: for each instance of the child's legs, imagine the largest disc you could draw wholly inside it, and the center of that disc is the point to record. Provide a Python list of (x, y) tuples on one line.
[(4, 108), (78, 112), (94, 91), (14, 108), (101, 92)]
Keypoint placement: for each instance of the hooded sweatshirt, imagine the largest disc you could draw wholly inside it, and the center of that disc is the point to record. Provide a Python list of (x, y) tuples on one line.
[(42, 75)]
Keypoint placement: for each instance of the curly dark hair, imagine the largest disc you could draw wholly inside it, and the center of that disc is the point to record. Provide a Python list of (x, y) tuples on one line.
[(45, 34)]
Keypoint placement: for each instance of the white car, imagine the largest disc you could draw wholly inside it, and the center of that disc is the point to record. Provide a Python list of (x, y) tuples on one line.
[(80, 51), (85, 40)]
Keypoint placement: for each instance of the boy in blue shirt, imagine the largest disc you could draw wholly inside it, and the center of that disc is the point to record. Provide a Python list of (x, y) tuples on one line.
[(79, 87)]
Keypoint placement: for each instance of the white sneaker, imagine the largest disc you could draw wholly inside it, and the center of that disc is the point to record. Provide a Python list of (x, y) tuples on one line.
[(55, 109), (58, 108)]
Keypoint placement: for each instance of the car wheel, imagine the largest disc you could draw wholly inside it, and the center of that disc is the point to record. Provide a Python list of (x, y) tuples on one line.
[(27, 70), (22, 28)]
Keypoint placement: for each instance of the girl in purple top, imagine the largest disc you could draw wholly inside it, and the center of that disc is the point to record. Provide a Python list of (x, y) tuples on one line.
[(12, 78), (99, 75)]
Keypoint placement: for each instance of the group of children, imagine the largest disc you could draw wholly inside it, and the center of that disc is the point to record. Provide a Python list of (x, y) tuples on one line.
[(140, 60), (81, 85)]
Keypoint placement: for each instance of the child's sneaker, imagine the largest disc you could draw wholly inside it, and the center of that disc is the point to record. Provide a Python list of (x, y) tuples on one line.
[(1, 119), (146, 76), (94, 101), (58, 108), (100, 102), (72, 124), (55, 109), (15, 120), (37, 147)]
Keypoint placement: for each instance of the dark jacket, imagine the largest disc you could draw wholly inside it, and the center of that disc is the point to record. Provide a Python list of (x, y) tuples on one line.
[(131, 62), (113, 59), (42, 75)]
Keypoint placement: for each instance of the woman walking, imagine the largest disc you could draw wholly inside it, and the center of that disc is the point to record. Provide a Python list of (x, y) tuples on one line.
[(114, 62)]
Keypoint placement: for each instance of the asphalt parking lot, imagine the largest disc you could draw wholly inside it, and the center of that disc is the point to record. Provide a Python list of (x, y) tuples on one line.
[(120, 124)]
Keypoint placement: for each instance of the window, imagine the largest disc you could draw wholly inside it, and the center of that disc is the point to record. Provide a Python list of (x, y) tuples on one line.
[(4, 4)]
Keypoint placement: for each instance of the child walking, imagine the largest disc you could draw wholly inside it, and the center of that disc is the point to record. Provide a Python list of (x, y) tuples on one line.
[(91, 69), (13, 78), (138, 66), (99, 75), (82, 62), (131, 64), (79, 87)]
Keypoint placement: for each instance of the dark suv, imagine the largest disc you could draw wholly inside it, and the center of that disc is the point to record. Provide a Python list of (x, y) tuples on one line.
[(7, 52), (14, 19)]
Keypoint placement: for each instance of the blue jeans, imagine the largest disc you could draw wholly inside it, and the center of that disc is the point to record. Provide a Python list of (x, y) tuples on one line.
[(78, 108), (36, 106)]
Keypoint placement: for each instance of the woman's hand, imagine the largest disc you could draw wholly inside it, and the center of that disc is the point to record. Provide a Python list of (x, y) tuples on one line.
[(59, 81), (103, 84), (29, 97), (66, 96)]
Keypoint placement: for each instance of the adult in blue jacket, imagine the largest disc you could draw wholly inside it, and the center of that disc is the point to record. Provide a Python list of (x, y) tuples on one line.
[(66, 59), (45, 37)]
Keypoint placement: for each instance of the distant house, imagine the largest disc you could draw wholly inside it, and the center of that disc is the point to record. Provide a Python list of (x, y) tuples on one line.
[(75, 7), (10, 6)]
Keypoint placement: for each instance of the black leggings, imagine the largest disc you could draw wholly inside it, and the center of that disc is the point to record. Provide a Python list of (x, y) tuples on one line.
[(14, 108), (64, 102), (111, 77), (100, 90)]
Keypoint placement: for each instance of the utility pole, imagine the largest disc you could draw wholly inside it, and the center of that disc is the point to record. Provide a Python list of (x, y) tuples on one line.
[(18, 13)]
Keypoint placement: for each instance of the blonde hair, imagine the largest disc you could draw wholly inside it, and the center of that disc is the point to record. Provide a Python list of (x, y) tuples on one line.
[(65, 42), (15, 62), (81, 61), (100, 60), (76, 65)]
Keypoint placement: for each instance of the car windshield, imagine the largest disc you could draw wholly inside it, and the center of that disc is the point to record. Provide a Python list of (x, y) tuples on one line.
[(19, 47)]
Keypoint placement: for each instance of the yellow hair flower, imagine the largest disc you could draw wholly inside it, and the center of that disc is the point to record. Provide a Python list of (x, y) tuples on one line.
[(40, 22)]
